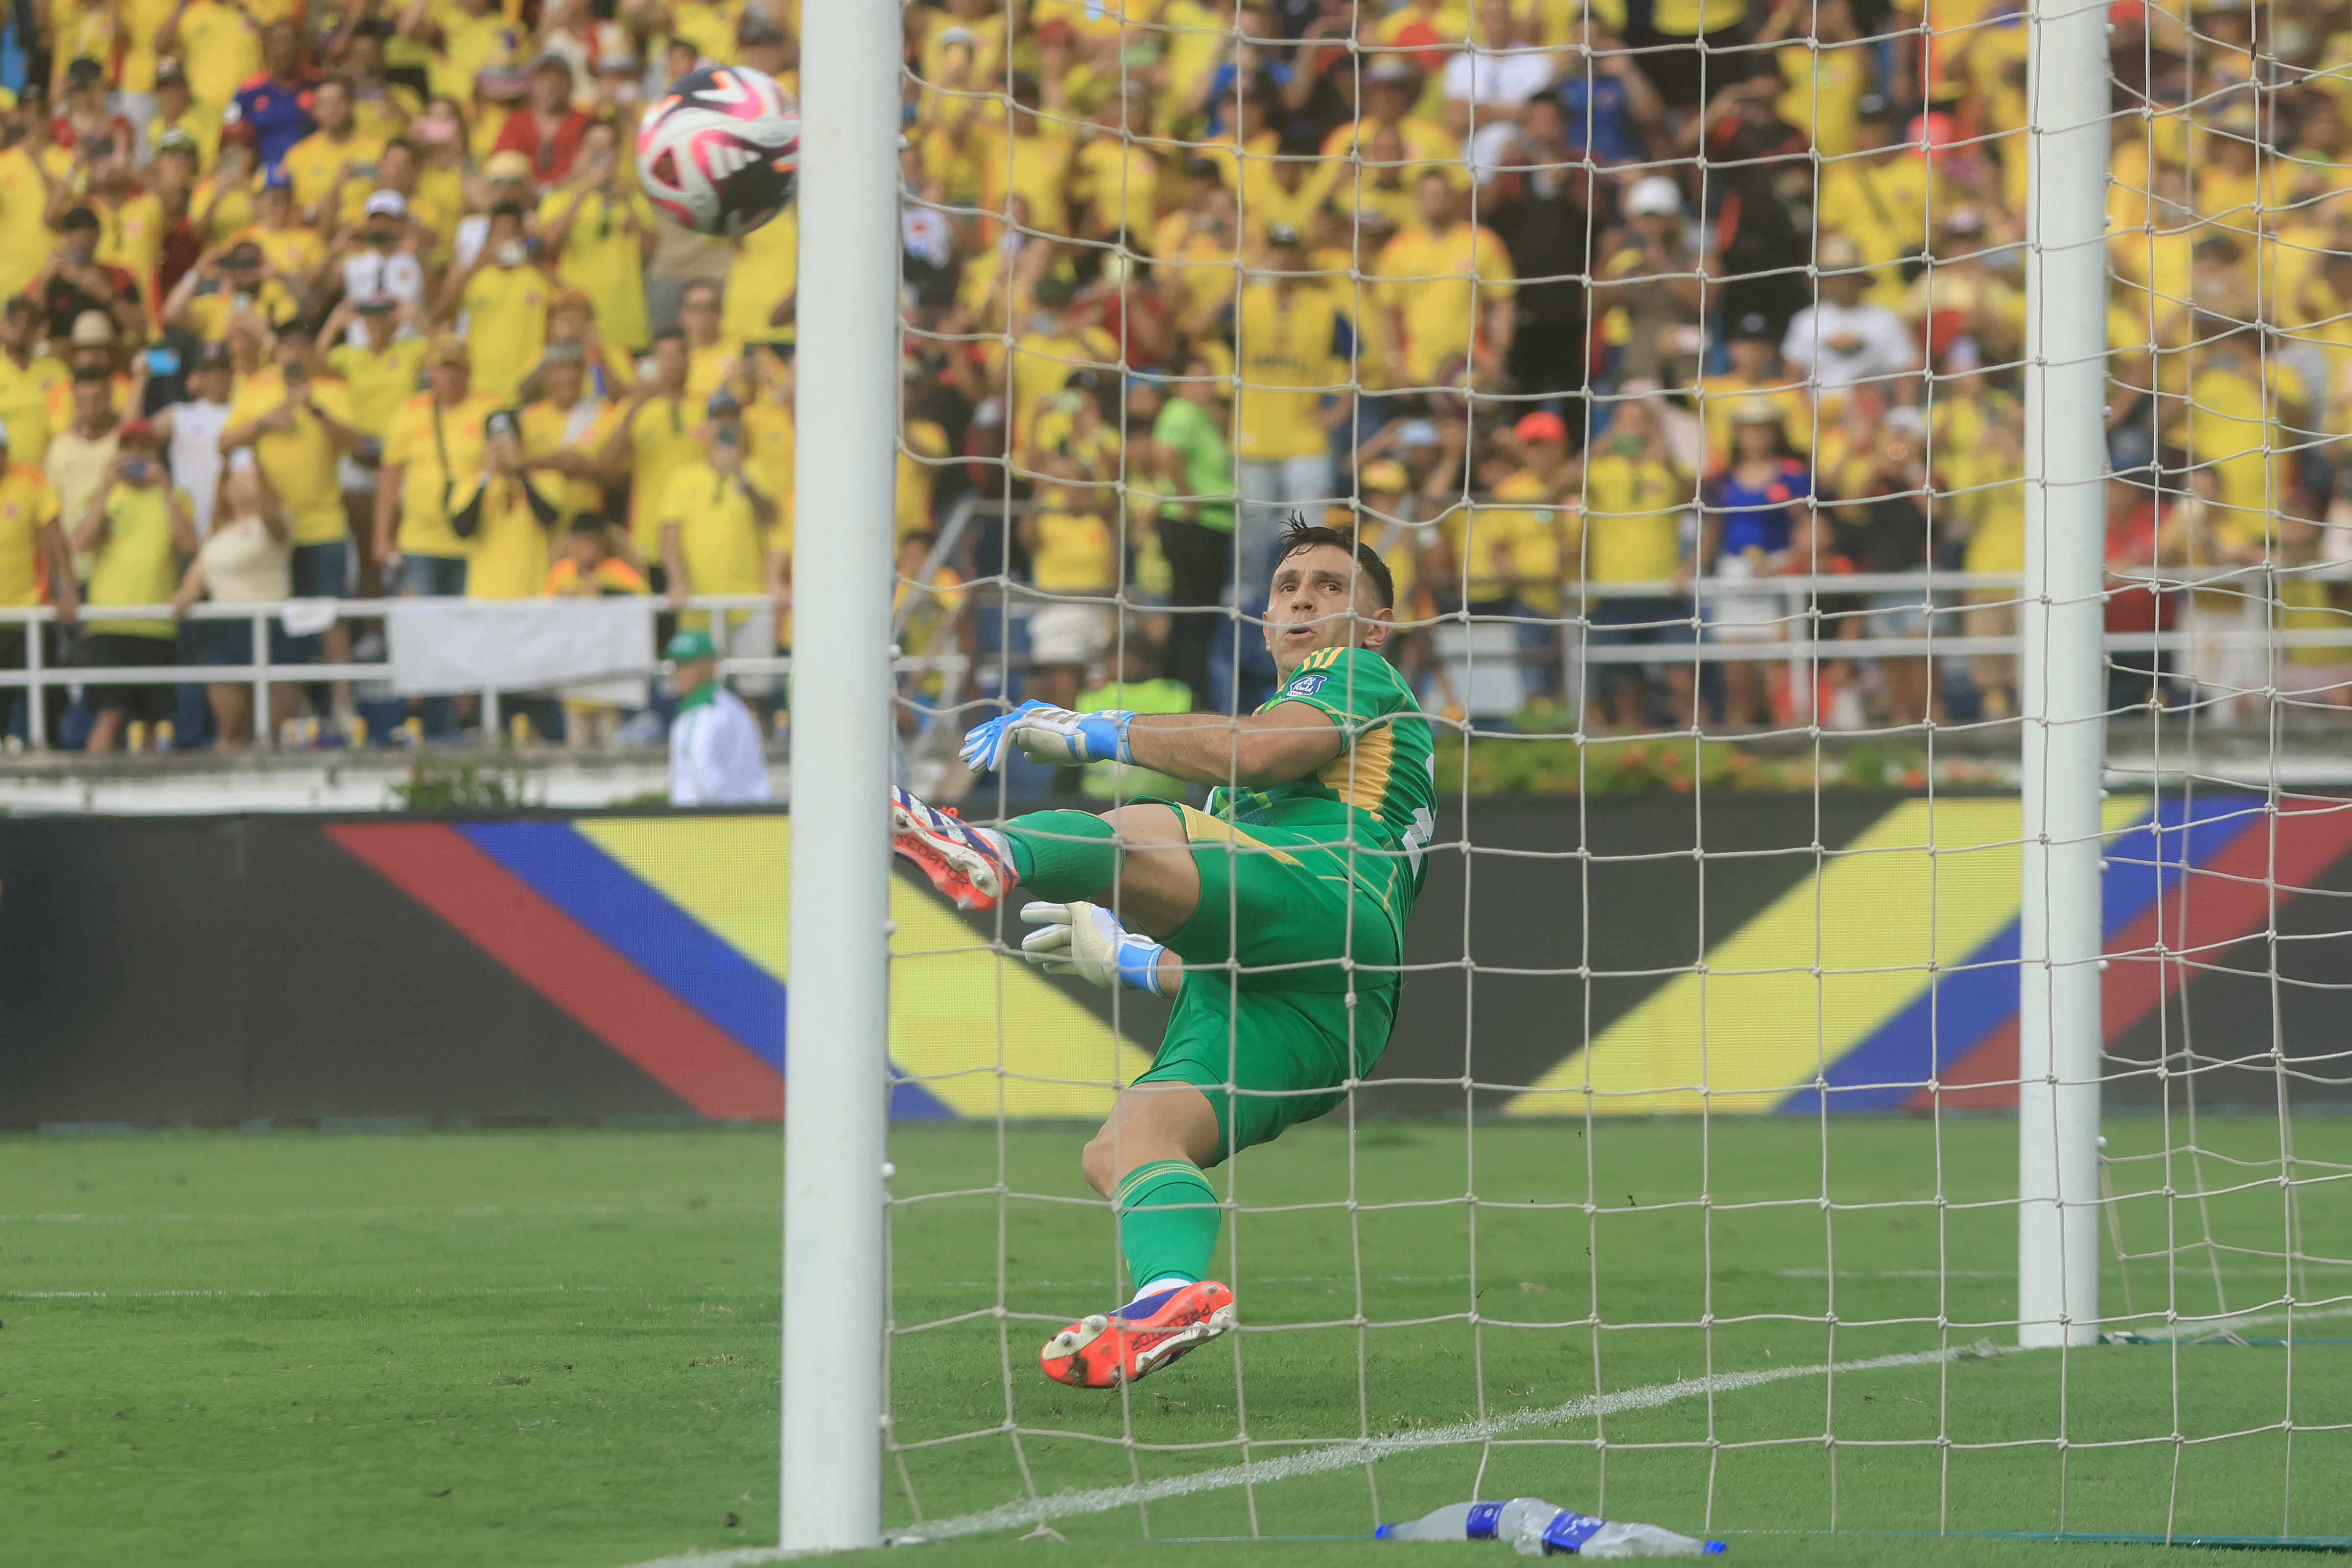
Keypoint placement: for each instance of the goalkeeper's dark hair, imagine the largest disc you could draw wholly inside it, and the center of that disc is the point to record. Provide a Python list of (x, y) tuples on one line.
[(1299, 534)]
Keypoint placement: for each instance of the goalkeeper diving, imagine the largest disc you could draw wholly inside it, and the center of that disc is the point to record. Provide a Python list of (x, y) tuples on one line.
[(1274, 919)]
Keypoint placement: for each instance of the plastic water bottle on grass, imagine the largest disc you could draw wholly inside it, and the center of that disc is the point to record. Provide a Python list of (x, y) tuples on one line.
[(1476, 1521), (1535, 1527), (1582, 1535)]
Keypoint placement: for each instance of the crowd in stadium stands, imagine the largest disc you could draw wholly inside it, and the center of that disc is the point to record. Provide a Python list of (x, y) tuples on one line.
[(1566, 304)]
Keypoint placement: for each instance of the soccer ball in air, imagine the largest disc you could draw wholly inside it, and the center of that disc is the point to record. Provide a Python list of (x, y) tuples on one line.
[(720, 152)]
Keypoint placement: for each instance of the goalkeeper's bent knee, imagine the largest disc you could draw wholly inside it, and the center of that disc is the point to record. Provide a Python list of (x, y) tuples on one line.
[(1062, 856)]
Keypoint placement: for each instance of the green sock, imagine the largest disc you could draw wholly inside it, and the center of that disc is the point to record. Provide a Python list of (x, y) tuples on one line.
[(1062, 855), (1168, 1222)]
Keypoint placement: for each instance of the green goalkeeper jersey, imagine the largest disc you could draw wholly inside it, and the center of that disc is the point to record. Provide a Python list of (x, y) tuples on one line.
[(1380, 791)]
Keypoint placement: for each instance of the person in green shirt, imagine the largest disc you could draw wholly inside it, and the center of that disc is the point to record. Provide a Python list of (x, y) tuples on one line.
[(1274, 919), (1196, 522)]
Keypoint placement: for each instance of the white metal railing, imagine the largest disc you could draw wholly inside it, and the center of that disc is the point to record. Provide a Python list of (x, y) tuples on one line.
[(1929, 593)]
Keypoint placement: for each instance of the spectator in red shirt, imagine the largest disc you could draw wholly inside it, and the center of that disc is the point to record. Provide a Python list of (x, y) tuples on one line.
[(2144, 532), (548, 130)]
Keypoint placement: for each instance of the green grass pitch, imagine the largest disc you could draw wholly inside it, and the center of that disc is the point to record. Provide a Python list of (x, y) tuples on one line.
[(561, 1347)]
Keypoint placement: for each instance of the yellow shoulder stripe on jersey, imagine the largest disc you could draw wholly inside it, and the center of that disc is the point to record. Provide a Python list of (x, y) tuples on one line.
[(1359, 774)]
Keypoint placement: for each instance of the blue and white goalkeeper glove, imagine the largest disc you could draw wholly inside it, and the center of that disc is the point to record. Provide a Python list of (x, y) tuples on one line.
[(1088, 940), (1044, 733)]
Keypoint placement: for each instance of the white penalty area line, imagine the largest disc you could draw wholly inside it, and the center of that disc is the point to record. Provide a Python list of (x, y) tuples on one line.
[(1346, 1456)]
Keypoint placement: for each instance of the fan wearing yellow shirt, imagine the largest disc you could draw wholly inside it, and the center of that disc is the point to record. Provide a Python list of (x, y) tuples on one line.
[(467, 38), (504, 298), (564, 433), (1635, 494), (336, 161), (226, 287), (220, 44), (176, 109), (1390, 90), (33, 559), (506, 520), (1881, 197), (657, 430), (713, 360), (221, 207), (1755, 374), (435, 442), (135, 529), (130, 221), (1447, 290), (1031, 160), (718, 521), (300, 423), (599, 230), (26, 379), (1117, 178), (24, 234), (1293, 347), (290, 245)]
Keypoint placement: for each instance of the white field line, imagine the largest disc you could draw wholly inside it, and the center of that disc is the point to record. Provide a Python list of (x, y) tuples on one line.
[(1347, 1456)]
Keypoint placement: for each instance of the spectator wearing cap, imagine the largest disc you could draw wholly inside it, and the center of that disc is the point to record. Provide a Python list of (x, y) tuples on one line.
[(1756, 375), (74, 282), (500, 305), (379, 253), (190, 430), (292, 248), (221, 46), (1881, 198), (718, 536), (276, 101), (435, 445), (177, 107), (1649, 292), (372, 346), (658, 432), (334, 168), (716, 756), (83, 117), (564, 433), (244, 560), (224, 286), (1755, 503), (547, 130), (1446, 289), (28, 379), (599, 232), (1392, 88), (505, 183), (1293, 346), (33, 566), (298, 421), (506, 518), (134, 530), (1843, 341), (81, 452), (499, 93)]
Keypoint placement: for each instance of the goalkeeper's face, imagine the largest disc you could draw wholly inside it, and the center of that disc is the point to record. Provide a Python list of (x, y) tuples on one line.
[(1322, 598)]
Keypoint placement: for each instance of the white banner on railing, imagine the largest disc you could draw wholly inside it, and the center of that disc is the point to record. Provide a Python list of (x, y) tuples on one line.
[(515, 644)]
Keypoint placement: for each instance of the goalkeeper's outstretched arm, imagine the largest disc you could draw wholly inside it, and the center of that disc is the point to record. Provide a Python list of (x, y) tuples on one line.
[(1287, 741)]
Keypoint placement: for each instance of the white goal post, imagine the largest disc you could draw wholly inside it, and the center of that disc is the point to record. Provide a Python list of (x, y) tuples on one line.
[(2061, 684), (838, 1059)]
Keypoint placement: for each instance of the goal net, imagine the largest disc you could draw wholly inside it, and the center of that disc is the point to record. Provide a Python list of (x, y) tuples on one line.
[(1876, 679)]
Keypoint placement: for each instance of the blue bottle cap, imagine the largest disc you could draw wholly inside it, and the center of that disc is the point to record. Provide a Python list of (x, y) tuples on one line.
[(1382, 1533), (1713, 1548)]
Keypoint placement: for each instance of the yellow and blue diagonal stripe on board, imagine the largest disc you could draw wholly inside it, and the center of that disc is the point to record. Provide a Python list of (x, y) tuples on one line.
[(698, 904), (1922, 905)]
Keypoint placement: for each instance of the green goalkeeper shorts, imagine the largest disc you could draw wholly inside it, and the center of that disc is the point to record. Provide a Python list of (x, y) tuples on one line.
[(1269, 1024)]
